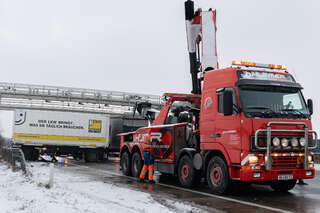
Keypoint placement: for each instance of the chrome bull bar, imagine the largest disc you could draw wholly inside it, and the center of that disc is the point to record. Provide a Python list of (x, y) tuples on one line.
[(269, 131)]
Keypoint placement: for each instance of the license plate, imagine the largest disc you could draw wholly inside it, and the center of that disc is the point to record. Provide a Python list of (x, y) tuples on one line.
[(285, 177)]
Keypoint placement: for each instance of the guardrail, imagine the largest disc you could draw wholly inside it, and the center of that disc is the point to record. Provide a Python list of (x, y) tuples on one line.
[(15, 157)]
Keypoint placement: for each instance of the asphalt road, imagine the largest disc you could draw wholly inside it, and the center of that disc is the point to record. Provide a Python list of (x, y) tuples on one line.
[(255, 198)]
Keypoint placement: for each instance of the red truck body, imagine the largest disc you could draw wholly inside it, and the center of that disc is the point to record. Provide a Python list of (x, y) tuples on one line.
[(229, 137)]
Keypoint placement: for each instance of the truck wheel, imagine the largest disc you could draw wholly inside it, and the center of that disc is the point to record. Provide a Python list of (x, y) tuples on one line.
[(218, 176), (107, 157), (188, 176), (136, 164), (125, 163), (283, 185), (30, 154), (91, 156), (26, 153), (35, 154), (100, 154)]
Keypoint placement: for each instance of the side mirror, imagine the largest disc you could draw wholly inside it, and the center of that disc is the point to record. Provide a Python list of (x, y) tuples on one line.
[(310, 106), (227, 102)]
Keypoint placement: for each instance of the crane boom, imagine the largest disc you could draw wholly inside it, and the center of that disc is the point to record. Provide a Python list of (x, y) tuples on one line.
[(201, 28)]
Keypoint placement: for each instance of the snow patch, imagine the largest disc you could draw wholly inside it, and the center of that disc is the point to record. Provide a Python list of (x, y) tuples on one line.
[(73, 193)]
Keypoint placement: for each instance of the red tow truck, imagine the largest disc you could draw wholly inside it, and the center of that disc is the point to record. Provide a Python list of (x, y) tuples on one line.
[(246, 123)]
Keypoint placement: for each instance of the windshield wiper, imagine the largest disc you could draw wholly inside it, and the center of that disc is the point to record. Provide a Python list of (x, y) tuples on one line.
[(297, 112), (266, 111), (258, 107)]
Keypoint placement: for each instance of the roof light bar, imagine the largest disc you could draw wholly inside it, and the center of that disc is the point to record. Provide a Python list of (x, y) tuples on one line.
[(252, 64)]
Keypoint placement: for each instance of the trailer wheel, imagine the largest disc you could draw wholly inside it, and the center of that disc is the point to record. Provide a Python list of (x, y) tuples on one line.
[(136, 164), (30, 154), (283, 185), (107, 152), (91, 155), (125, 163), (188, 176), (100, 154), (218, 176)]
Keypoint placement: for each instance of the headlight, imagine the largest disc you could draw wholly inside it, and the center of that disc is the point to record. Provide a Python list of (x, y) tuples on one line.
[(284, 142), (309, 158), (302, 141), (253, 159), (294, 142), (276, 141)]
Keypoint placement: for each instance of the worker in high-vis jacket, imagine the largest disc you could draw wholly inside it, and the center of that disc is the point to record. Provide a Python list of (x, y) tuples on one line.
[(148, 163)]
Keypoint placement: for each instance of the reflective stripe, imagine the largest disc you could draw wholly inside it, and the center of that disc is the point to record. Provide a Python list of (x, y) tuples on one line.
[(143, 171), (146, 147), (150, 168), (58, 138)]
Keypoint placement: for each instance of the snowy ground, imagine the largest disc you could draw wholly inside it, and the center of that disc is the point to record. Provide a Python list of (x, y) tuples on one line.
[(74, 193), (71, 193)]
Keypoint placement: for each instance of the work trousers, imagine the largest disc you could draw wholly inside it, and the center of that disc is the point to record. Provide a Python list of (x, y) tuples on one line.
[(148, 166)]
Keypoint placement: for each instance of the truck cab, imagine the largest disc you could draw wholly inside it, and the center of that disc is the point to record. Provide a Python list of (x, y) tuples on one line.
[(256, 116)]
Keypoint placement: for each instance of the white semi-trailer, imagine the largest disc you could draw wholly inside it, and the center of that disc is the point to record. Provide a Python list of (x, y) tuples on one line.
[(62, 133)]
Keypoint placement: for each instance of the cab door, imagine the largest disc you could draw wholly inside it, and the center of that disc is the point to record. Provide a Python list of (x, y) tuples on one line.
[(227, 127), (207, 117)]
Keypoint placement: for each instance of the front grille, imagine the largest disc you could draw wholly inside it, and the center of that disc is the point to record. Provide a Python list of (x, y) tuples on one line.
[(286, 162)]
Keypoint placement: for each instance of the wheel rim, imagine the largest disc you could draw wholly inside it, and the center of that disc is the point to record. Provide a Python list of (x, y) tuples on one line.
[(185, 171), (216, 175), (135, 164), (124, 163)]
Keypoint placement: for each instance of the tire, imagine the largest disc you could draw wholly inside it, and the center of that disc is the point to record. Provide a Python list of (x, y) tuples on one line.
[(218, 176), (125, 163), (35, 155), (136, 164), (100, 154), (77, 157), (26, 153), (187, 174), (107, 157), (91, 156), (283, 185), (31, 154)]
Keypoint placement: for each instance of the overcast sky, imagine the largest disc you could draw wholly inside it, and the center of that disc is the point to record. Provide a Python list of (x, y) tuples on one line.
[(140, 46)]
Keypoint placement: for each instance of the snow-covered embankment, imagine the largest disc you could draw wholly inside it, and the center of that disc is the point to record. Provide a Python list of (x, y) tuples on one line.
[(73, 193)]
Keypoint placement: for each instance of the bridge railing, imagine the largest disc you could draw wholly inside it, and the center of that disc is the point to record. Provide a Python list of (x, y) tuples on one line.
[(14, 95), (74, 94)]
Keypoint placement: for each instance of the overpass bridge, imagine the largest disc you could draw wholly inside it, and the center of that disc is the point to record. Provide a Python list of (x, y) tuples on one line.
[(30, 96)]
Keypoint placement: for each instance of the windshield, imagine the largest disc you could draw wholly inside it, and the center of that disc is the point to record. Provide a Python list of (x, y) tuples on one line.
[(271, 101)]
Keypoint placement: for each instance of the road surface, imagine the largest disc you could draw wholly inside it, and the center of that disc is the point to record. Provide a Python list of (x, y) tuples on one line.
[(255, 198)]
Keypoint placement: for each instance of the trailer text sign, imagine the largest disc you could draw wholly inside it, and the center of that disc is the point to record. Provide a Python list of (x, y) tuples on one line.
[(61, 128), (56, 124)]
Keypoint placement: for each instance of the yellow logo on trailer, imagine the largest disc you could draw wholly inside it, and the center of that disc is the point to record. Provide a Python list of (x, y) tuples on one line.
[(95, 126)]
